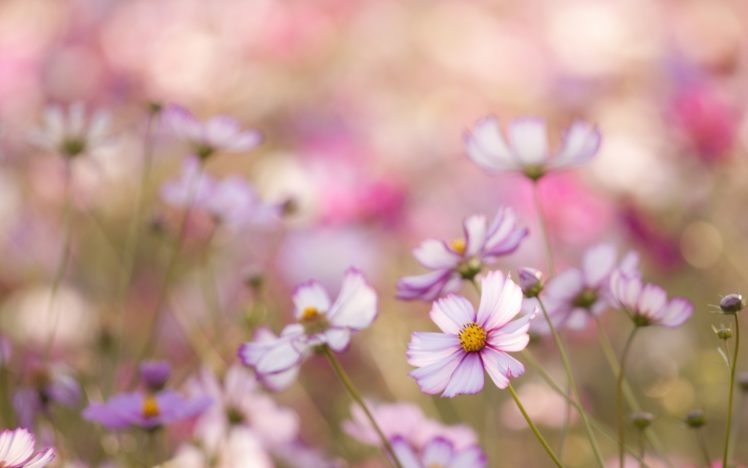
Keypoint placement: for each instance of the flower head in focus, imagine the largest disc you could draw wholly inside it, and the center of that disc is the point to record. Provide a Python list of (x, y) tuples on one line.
[(320, 322), (219, 133), (438, 452), (17, 450), (525, 148), (647, 304), (453, 362), (70, 132), (572, 295), (463, 258)]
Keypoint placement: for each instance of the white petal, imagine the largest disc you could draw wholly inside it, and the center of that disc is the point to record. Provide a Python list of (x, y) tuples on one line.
[(310, 295), (476, 229), (438, 452), (565, 285), (504, 234), (405, 453), (337, 338), (501, 367), (434, 378), (471, 457), (581, 142), (676, 313), (356, 305), (652, 300), (41, 459), (467, 377), (485, 145), (598, 264), (451, 313), (426, 348), (500, 310), (16, 446), (529, 140), (434, 254)]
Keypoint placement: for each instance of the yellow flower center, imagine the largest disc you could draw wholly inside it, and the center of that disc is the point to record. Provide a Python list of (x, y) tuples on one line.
[(472, 337), (314, 321), (310, 313), (458, 245), (150, 407)]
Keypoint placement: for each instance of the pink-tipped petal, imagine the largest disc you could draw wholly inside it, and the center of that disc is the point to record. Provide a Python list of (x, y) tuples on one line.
[(310, 295), (426, 348), (581, 142), (438, 452), (508, 305), (485, 145), (451, 313), (433, 379), (476, 229)]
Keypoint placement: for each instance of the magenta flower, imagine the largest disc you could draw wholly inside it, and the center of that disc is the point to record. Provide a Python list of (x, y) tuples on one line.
[(69, 132), (525, 148), (463, 258), (17, 450), (438, 452), (319, 322), (471, 343), (219, 133), (573, 295), (145, 410), (647, 304)]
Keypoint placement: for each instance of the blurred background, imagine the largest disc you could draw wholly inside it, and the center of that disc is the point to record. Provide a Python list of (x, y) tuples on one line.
[(363, 106)]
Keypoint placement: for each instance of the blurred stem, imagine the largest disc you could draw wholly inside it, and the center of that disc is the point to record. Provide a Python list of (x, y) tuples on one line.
[(640, 443), (62, 266), (601, 428), (610, 357), (534, 428), (619, 396), (567, 423), (543, 225), (731, 392), (572, 384), (704, 449), (6, 403), (348, 384)]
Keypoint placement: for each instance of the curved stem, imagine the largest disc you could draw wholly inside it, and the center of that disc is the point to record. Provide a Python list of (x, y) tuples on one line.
[(572, 383), (543, 225), (534, 428), (619, 397), (733, 367), (348, 384)]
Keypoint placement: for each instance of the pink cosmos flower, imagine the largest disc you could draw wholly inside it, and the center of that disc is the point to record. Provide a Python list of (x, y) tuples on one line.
[(572, 295), (471, 343), (524, 147), (319, 322), (462, 258), (405, 421), (17, 450), (68, 131), (219, 133), (647, 304), (438, 452)]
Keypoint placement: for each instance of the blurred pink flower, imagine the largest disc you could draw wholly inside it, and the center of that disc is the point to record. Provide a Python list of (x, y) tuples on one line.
[(219, 133), (17, 450), (438, 452), (407, 421), (319, 322), (240, 446), (69, 133), (471, 343), (647, 304), (462, 258), (525, 147)]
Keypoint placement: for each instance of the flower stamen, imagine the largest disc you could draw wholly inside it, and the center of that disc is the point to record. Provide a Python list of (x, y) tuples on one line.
[(150, 407), (458, 245), (472, 337)]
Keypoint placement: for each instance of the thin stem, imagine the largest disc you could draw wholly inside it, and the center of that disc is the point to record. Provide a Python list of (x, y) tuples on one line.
[(534, 428), (619, 396), (704, 449), (571, 382), (640, 442), (348, 384), (543, 225), (733, 367)]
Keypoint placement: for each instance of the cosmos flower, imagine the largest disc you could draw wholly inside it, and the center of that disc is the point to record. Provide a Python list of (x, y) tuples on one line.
[(319, 322), (647, 304), (145, 410), (17, 450), (239, 448), (219, 133), (572, 295), (69, 132), (438, 452), (524, 147), (463, 258), (405, 421), (453, 362), (47, 387)]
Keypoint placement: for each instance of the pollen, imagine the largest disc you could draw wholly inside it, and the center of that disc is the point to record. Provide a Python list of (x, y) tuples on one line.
[(309, 313), (150, 407), (458, 245), (472, 337)]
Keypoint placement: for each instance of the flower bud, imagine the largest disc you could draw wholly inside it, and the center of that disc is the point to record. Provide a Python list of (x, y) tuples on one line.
[(641, 419), (695, 418), (743, 381), (723, 332), (531, 281), (732, 304), (154, 374)]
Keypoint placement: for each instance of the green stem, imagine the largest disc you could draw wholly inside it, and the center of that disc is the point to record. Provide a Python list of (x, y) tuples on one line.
[(543, 225), (348, 384), (640, 442), (571, 382), (704, 449), (619, 397), (733, 367), (534, 428)]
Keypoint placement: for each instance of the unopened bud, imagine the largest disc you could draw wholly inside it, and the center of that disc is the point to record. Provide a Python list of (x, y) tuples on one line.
[(743, 381), (641, 419), (695, 418), (723, 332), (154, 374), (531, 281), (732, 304)]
